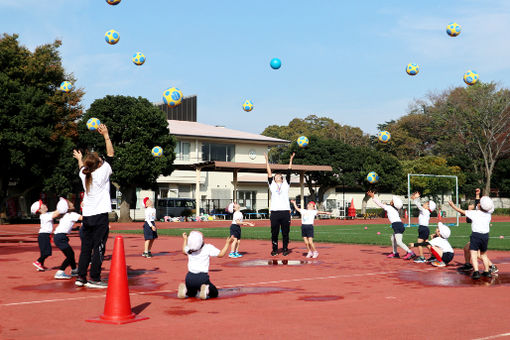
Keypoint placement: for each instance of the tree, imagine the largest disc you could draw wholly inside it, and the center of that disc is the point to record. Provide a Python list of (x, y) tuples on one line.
[(477, 118), (135, 127), (36, 118)]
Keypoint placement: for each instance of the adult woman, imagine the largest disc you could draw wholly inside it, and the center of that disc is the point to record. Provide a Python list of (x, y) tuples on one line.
[(280, 207), (95, 176)]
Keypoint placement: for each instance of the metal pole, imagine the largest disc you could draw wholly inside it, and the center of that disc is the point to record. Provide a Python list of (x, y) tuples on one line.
[(409, 199), (197, 192), (457, 196), (302, 188)]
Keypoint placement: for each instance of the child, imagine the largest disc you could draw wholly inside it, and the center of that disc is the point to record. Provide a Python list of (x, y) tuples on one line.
[(396, 224), (149, 227), (423, 223), (439, 246), (479, 239), (197, 278), (307, 218), (62, 242), (235, 230), (44, 232)]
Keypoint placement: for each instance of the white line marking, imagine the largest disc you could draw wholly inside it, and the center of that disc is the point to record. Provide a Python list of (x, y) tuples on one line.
[(494, 336)]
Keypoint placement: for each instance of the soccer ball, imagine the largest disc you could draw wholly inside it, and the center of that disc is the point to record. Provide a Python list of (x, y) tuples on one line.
[(412, 69), (302, 141), (248, 106), (157, 151), (453, 29), (66, 86), (112, 37), (172, 96), (93, 124), (113, 2), (275, 63), (384, 136), (138, 58), (471, 77), (372, 177)]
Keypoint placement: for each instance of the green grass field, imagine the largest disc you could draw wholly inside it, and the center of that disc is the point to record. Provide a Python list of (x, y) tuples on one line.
[(354, 234)]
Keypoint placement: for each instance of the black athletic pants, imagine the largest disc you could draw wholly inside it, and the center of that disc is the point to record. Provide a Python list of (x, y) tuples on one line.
[(62, 242), (194, 281), (93, 231), (280, 219), (44, 247)]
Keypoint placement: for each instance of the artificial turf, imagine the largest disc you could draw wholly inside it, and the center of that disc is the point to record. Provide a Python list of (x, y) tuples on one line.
[(354, 234)]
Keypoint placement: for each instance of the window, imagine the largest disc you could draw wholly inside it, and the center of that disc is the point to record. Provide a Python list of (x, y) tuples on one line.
[(218, 152), (182, 150), (247, 199)]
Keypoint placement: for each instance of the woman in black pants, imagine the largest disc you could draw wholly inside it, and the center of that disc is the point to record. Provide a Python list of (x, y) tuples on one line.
[(280, 207), (95, 176)]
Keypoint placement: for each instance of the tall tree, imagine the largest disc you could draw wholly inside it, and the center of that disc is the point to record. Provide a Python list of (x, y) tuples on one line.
[(36, 118), (135, 126)]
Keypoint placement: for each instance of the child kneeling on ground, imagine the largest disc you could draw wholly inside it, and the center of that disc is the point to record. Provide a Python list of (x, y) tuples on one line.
[(439, 246), (197, 278)]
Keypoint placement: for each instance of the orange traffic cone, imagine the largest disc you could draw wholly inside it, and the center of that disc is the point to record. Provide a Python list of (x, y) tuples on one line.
[(439, 215), (117, 307)]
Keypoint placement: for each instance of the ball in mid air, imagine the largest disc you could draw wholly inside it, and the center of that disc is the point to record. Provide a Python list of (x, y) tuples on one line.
[(471, 77), (93, 124), (66, 86), (157, 151), (248, 106), (172, 96), (112, 37), (412, 69), (372, 177), (275, 63), (453, 29), (302, 141), (384, 136), (138, 58)]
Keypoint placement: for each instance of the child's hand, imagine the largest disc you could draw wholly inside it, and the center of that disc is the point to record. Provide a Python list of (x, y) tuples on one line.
[(411, 245), (77, 154), (153, 228), (451, 203), (251, 224), (477, 191), (293, 201), (230, 240), (370, 193), (184, 236), (102, 129)]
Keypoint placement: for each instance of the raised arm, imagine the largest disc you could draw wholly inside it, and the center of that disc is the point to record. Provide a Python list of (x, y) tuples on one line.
[(269, 173), (226, 246), (109, 146), (376, 201), (460, 211), (184, 243), (79, 157), (295, 206), (290, 167)]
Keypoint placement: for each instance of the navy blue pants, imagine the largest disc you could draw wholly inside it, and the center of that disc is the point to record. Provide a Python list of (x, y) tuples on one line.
[(62, 242), (44, 247), (194, 281)]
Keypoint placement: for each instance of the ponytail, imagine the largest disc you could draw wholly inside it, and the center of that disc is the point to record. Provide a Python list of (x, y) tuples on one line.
[(91, 163)]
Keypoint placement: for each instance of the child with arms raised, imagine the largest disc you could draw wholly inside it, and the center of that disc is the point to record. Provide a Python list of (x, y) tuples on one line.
[(307, 232)]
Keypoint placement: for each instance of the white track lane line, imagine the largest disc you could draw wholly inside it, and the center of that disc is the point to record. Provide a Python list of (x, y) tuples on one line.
[(494, 336)]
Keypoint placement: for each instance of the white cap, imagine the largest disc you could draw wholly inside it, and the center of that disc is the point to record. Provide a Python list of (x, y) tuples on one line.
[(195, 240), (35, 207), (487, 204), (230, 208), (444, 231), (432, 205), (62, 206), (397, 202)]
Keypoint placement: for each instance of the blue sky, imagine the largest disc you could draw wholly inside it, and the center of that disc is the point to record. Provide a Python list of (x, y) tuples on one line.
[(340, 59)]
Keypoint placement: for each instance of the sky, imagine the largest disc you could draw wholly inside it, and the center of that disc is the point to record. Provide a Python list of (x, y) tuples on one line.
[(340, 59)]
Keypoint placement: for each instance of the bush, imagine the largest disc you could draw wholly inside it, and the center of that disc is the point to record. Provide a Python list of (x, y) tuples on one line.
[(501, 211), (371, 213)]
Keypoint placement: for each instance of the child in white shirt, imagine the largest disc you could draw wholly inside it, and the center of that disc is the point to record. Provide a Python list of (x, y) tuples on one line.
[(235, 229), (397, 225), (197, 278), (423, 223), (307, 232), (62, 242), (149, 227), (44, 232), (439, 246)]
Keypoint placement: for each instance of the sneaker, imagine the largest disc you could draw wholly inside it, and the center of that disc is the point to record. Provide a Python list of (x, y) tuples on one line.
[(493, 269), (420, 259), (149, 255), (204, 291), (80, 282), (274, 253), (181, 292), (475, 275), (430, 259), (438, 264), (39, 266), (309, 255), (487, 274), (61, 275), (286, 252), (466, 267), (409, 256), (144, 254), (96, 284), (237, 254), (393, 255), (232, 255), (315, 254), (74, 272)]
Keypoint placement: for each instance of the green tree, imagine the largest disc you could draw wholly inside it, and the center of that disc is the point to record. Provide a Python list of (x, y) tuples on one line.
[(36, 118), (135, 127)]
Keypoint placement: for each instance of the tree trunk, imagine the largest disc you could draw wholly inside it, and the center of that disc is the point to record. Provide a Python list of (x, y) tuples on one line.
[(125, 205), (3, 198), (364, 204)]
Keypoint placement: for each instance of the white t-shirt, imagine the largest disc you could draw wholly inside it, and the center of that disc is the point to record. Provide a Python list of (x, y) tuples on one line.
[(97, 200), (308, 216), (238, 216), (424, 217), (66, 223), (150, 215), (279, 196), (480, 221), (392, 213), (441, 243), (46, 223), (198, 262)]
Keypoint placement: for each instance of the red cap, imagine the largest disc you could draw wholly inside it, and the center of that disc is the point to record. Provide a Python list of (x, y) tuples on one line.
[(145, 201), (312, 203)]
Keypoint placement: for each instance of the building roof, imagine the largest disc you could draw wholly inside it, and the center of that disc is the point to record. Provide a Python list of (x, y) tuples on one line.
[(250, 167), (195, 129)]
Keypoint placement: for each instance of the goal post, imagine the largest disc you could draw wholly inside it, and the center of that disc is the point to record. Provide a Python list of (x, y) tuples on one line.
[(435, 176)]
